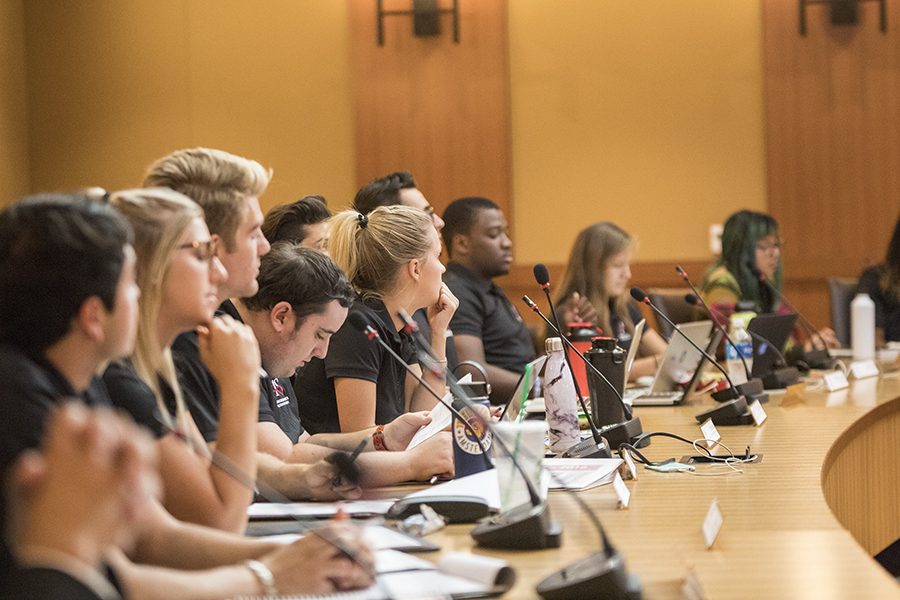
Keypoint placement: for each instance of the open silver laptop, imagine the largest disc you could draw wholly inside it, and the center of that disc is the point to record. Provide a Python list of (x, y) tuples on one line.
[(679, 366)]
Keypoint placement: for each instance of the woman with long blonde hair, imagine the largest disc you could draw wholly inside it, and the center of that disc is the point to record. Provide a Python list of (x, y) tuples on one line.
[(391, 258), (594, 290), (178, 274)]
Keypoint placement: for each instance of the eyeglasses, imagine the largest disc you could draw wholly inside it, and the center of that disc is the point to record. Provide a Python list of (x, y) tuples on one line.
[(769, 246), (203, 250)]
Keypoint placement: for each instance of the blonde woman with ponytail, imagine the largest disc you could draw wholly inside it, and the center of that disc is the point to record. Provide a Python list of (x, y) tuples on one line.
[(392, 259), (178, 275)]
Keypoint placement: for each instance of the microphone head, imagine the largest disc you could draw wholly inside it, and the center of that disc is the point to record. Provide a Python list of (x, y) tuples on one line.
[(680, 270), (638, 294), (358, 321), (691, 299), (541, 274)]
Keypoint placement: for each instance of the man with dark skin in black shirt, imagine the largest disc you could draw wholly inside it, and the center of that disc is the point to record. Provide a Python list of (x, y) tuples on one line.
[(486, 327)]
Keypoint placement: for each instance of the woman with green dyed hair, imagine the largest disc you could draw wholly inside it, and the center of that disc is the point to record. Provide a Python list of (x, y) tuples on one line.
[(751, 255), (750, 242)]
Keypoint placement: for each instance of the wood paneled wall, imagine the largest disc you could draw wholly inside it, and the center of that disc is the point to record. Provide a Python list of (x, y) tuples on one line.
[(832, 143), (435, 108)]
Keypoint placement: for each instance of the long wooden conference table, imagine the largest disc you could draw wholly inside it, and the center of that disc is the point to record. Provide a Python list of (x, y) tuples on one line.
[(802, 523)]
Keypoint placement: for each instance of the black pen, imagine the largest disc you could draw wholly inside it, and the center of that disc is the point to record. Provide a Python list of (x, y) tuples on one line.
[(346, 465)]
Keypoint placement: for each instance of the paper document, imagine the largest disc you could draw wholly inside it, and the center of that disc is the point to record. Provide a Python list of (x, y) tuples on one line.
[(441, 417), (320, 510), (580, 473)]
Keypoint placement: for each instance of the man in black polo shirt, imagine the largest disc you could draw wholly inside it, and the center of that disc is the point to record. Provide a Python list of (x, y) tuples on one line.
[(486, 327), (303, 300), (68, 305)]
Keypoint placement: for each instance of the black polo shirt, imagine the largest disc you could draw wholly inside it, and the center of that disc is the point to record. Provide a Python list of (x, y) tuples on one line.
[(30, 388), (353, 356), (485, 312), (887, 308), (277, 402), (129, 392)]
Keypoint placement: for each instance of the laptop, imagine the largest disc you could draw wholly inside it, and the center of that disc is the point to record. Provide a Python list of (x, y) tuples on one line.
[(516, 404), (776, 329), (680, 365)]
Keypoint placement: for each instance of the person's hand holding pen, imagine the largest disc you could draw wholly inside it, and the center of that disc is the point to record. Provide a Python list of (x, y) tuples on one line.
[(331, 558)]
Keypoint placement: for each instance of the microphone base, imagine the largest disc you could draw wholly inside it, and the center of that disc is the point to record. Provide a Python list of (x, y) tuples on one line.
[(624, 433), (748, 388), (781, 378), (731, 412), (595, 577), (819, 359), (761, 397), (525, 527), (588, 448)]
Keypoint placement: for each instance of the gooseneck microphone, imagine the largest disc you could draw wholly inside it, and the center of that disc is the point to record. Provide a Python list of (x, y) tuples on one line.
[(616, 433), (697, 300), (359, 322), (599, 575), (734, 410), (595, 447), (779, 377), (815, 358), (528, 526)]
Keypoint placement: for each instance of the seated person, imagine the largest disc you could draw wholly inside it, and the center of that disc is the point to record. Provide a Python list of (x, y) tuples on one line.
[(302, 301), (178, 274), (82, 493), (304, 222), (398, 188), (595, 290), (391, 258), (882, 284), (750, 240), (486, 328), (68, 306)]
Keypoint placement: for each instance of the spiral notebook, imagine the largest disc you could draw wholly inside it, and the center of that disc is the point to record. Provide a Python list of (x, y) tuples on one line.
[(402, 577)]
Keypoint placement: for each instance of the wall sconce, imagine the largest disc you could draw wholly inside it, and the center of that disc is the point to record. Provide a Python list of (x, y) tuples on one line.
[(843, 12), (426, 16)]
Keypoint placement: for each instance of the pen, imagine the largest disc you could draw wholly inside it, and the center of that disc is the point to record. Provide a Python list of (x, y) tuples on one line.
[(345, 465), (433, 480)]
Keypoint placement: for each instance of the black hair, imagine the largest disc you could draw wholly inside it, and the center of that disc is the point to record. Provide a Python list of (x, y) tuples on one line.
[(890, 280), (460, 215), (306, 279), (287, 222), (384, 191), (56, 251)]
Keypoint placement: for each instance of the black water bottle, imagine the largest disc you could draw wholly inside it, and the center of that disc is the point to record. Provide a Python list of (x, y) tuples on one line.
[(609, 359)]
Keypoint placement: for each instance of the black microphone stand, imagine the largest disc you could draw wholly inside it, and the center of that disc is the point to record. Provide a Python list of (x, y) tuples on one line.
[(596, 447), (819, 358), (629, 430), (733, 411), (528, 526), (599, 575), (754, 386)]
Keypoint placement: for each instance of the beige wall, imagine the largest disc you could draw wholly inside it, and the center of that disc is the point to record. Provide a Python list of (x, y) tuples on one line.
[(14, 170), (114, 85), (649, 114)]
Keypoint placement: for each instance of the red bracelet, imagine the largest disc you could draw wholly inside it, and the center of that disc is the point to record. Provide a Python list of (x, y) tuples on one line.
[(378, 438)]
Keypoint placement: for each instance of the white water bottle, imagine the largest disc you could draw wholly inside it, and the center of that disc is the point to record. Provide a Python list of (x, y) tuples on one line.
[(743, 346), (862, 327), (559, 399)]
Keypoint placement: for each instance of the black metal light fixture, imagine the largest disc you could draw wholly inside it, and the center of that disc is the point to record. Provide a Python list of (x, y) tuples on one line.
[(844, 12), (426, 16)]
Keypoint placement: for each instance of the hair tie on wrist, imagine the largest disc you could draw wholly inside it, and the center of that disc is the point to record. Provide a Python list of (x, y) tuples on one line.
[(363, 220)]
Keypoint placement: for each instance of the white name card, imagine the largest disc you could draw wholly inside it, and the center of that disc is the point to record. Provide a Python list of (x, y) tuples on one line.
[(712, 523), (759, 415), (863, 369), (628, 468), (710, 433), (621, 491), (836, 380)]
